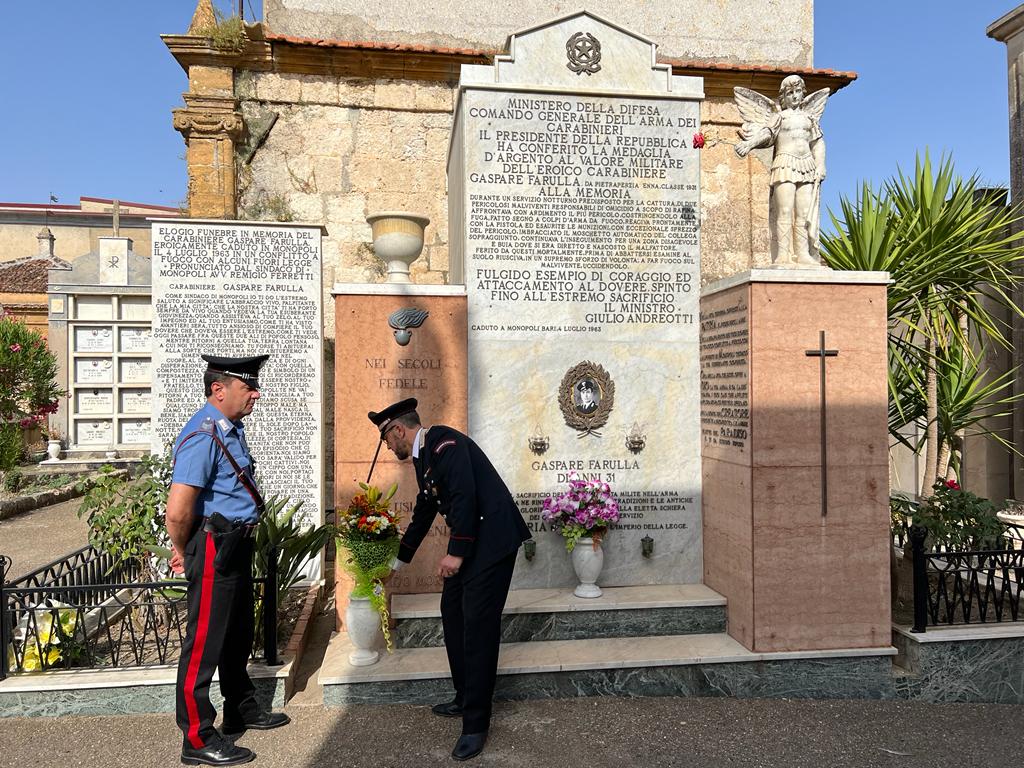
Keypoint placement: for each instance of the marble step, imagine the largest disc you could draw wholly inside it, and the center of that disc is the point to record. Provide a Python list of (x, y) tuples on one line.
[(710, 664), (535, 615)]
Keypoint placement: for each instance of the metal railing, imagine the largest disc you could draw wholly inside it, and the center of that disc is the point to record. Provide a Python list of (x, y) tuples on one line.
[(86, 612), (968, 586)]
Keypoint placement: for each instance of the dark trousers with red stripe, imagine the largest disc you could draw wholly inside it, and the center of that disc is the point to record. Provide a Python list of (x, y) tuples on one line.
[(218, 636), (471, 616)]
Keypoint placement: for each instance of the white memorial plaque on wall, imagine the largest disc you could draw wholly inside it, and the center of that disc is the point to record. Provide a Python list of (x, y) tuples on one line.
[(576, 197), (90, 401), (136, 340), (89, 339), (135, 371), (135, 401), (93, 371), (241, 289), (93, 433), (135, 432)]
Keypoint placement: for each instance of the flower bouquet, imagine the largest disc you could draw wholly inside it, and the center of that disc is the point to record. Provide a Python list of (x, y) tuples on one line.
[(368, 532), (584, 511)]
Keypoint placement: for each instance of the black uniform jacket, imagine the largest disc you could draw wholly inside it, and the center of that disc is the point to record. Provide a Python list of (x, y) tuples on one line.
[(456, 479)]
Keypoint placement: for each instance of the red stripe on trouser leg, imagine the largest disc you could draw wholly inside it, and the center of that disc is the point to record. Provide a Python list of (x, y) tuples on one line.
[(202, 627)]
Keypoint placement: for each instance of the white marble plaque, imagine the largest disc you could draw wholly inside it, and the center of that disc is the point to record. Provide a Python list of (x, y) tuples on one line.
[(134, 371), (239, 289), (135, 308), (94, 401), (93, 308), (135, 431), (135, 339), (135, 401), (94, 371), (93, 432), (89, 339), (580, 223)]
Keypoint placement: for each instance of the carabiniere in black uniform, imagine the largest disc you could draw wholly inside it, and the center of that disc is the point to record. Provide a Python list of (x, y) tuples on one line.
[(457, 480)]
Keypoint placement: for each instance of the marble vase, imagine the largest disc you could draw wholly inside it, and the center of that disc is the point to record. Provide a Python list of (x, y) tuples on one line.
[(363, 624), (587, 561), (398, 241), (53, 450)]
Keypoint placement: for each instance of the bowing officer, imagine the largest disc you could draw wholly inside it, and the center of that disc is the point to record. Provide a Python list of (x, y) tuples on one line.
[(456, 479), (212, 512)]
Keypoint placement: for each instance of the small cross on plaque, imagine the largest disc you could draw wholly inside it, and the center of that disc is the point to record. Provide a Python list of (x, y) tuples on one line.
[(822, 353)]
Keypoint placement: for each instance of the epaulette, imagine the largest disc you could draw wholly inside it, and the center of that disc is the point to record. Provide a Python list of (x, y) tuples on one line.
[(207, 426)]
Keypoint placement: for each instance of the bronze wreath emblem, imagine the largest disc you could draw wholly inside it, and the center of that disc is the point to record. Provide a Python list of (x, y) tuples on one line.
[(586, 397)]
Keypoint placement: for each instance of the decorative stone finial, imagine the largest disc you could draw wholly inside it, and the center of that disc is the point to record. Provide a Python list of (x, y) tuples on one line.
[(203, 18), (397, 240)]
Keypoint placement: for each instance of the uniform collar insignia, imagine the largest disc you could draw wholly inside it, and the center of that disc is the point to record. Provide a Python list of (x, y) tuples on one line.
[(225, 425)]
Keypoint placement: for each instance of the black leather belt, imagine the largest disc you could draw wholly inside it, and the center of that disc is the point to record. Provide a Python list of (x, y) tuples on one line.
[(248, 530)]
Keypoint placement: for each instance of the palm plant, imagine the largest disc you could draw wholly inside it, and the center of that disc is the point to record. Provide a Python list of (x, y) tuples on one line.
[(950, 251)]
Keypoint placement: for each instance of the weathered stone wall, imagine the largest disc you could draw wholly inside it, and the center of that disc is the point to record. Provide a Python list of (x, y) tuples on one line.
[(770, 32)]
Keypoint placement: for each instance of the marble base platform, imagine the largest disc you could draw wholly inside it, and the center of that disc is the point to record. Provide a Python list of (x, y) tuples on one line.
[(120, 692), (973, 663), (681, 665), (557, 614)]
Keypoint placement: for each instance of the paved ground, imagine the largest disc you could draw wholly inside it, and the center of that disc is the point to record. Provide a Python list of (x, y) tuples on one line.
[(574, 733), (35, 538)]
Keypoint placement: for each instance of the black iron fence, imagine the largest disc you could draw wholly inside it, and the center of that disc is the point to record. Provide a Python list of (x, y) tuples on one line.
[(88, 612), (954, 586)]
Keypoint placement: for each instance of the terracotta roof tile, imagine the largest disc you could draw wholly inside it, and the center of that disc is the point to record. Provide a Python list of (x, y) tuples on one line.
[(27, 275)]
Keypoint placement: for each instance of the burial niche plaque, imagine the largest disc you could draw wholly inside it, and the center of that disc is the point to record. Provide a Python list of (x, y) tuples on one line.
[(574, 197), (239, 289)]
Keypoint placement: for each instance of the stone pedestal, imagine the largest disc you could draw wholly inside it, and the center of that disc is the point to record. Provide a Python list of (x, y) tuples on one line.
[(800, 571), (373, 371)]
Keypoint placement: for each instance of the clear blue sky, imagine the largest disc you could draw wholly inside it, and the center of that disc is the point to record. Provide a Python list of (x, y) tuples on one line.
[(88, 89)]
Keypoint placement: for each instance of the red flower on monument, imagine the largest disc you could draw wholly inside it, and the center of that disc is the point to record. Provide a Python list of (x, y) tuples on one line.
[(953, 484), (698, 141), (15, 347)]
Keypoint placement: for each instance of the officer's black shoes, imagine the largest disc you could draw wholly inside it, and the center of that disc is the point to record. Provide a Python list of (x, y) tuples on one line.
[(469, 745), (448, 709), (264, 721), (221, 752)]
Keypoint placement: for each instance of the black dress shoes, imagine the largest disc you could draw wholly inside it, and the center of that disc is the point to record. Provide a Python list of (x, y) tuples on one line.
[(448, 709), (264, 721), (217, 753), (469, 745)]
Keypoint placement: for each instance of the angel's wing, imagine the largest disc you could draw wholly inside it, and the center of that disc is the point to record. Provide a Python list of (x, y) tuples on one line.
[(755, 107), (814, 105)]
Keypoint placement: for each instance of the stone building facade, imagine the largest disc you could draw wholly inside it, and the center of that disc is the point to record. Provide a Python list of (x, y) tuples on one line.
[(331, 110)]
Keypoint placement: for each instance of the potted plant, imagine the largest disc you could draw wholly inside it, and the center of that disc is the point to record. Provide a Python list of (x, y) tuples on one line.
[(368, 533), (582, 515)]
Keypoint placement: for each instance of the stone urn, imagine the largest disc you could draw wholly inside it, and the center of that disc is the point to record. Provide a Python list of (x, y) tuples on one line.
[(398, 241), (587, 561), (363, 624), (53, 450)]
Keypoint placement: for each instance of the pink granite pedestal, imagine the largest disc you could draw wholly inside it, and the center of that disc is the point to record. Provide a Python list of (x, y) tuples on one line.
[(799, 571)]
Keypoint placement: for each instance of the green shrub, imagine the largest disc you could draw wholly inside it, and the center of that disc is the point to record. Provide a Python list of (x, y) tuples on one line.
[(958, 519)]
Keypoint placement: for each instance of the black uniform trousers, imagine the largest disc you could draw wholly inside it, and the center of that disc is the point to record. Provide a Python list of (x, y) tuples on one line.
[(471, 616), (218, 636)]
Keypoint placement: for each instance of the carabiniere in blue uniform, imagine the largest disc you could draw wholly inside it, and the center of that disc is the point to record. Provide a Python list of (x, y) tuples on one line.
[(215, 503)]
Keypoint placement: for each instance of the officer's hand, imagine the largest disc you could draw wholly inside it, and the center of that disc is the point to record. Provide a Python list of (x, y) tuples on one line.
[(177, 562), (449, 566)]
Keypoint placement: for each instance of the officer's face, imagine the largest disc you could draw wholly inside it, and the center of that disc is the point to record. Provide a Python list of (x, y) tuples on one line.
[(396, 438), (235, 399)]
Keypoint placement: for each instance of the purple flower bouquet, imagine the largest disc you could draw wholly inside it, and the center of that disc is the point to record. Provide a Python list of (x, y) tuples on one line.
[(585, 510)]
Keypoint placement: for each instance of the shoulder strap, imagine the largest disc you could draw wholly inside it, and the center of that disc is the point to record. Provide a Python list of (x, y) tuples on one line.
[(243, 478)]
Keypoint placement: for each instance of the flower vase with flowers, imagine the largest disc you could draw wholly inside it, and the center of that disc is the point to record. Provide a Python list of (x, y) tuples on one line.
[(369, 533), (582, 515)]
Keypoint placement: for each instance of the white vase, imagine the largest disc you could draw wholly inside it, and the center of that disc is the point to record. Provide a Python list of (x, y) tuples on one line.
[(53, 449), (397, 240), (363, 624), (587, 561)]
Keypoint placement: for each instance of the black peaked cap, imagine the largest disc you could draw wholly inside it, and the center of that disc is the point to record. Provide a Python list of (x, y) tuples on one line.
[(384, 418), (245, 368)]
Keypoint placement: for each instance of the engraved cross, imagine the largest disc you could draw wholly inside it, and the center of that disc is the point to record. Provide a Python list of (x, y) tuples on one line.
[(822, 353)]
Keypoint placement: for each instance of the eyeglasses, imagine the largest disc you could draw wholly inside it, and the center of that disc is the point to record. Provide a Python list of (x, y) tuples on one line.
[(386, 432)]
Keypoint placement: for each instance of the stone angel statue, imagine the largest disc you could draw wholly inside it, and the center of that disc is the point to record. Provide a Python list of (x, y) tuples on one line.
[(798, 167)]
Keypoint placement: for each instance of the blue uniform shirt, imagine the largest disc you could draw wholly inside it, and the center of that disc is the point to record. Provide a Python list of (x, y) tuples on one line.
[(201, 463)]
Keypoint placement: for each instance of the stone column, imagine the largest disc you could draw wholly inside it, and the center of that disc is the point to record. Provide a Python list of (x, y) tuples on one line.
[(210, 124), (1009, 29)]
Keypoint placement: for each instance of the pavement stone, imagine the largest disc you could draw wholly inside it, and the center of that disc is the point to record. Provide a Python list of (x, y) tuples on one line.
[(570, 733)]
